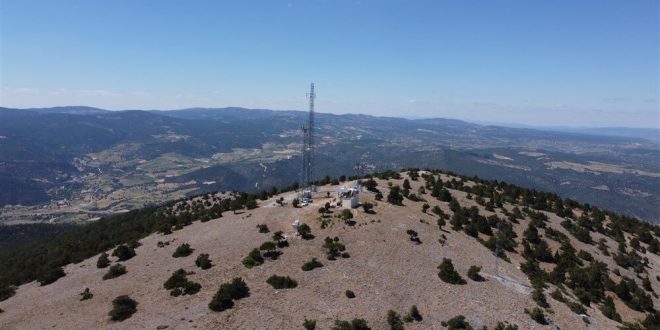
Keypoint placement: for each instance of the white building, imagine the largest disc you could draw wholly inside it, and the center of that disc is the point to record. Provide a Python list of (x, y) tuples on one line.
[(349, 197)]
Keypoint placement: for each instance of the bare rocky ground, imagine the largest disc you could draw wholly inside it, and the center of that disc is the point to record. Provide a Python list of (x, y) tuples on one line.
[(386, 271)]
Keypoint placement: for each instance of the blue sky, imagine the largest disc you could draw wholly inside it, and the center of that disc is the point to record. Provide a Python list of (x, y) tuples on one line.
[(570, 63)]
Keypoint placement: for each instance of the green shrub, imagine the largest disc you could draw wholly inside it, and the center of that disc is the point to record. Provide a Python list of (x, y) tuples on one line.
[(122, 308), (176, 292), (115, 271), (346, 214), (309, 324), (457, 323), (537, 315), (395, 197), (221, 301), (350, 294), (539, 297), (263, 228), (413, 236), (368, 207), (576, 307), (448, 274), (183, 250), (203, 261), (278, 237), (177, 280), (310, 265), (414, 314), (86, 295), (179, 284), (473, 274), (7, 292), (609, 310), (502, 326), (305, 231), (253, 259), (394, 320), (441, 222), (633, 296), (251, 204), (270, 249), (281, 282), (123, 252), (646, 284), (355, 324), (557, 295), (103, 261), (191, 287), (228, 292), (582, 254), (51, 276), (333, 247), (237, 288)]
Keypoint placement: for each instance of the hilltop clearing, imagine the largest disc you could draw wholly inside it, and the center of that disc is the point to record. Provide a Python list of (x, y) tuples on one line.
[(419, 238)]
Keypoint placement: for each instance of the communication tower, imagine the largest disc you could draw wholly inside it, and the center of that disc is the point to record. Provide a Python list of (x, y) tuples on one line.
[(308, 146)]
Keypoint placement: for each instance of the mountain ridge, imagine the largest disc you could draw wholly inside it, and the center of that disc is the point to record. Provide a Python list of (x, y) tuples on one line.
[(206, 112)]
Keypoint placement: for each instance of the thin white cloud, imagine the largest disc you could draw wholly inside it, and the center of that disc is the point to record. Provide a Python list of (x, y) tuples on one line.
[(615, 99), (98, 92), (20, 90)]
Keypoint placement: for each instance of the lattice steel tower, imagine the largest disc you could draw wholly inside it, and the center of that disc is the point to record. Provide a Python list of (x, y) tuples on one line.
[(308, 144)]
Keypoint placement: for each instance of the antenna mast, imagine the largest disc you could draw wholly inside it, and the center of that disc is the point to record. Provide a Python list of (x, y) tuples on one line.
[(310, 133), (308, 144)]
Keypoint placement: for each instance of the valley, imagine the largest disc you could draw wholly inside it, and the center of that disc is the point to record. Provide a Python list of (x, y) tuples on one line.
[(111, 162)]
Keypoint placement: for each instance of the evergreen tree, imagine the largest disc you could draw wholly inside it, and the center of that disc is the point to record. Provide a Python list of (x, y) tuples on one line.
[(183, 250), (395, 197), (253, 259), (309, 324), (448, 274), (123, 252), (305, 231), (115, 271), (103, 261), (394, 320), (473, 274), (310, 265), (51, 276), (281, 282), (414, 314), (203, 261), (609, 310), (123, 307)]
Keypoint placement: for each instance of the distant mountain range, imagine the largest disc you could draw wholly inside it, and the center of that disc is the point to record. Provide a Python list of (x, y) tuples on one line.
[(73, 163), (652, 134)]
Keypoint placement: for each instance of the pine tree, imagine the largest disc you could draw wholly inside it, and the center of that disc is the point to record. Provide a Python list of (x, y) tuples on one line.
[(103, 261), (448, 274)]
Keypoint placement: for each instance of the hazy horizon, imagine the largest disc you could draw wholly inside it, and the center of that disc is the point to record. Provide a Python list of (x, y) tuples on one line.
[(565, 63), (478, 122)]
